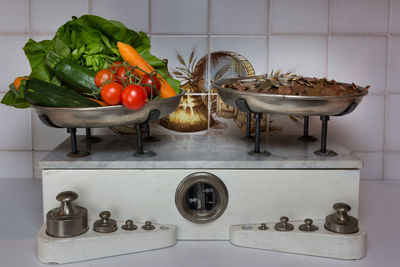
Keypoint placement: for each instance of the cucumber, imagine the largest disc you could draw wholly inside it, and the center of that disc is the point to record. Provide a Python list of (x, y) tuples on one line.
[(45, 94), (74, 75)]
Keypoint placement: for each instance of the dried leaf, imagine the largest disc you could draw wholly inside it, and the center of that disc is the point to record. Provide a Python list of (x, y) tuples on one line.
[(180, 59), (191, 57)]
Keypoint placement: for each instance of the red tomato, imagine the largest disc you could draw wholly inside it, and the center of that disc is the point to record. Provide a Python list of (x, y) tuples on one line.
[(111, 93), (104, 76), (115, 66), (152, 89), (134, 97), (123, 72)]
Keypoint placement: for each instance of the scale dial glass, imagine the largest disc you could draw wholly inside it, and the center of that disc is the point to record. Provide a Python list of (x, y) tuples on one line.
[(201, 197)]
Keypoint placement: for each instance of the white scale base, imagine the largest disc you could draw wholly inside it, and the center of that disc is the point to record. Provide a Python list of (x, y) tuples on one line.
[(318, 243), (321, 243), (292, 182), (92, 245)]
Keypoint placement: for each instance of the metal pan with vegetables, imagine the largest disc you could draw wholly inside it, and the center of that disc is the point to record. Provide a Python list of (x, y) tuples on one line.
[(94, 73)]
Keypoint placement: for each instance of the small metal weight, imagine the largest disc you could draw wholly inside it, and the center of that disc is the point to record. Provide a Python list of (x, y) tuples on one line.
[(105, 224), (68, 220), (308, 226), (263, 227), (129, 226), (284, 225), (148, 226), (340, 222)]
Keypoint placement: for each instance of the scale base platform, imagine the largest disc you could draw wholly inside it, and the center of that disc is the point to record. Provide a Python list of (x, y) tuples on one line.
[(92, 245)]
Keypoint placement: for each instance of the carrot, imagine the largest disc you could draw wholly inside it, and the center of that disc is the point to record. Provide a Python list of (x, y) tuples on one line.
[(129, 54), (98, 101), (17, 82)]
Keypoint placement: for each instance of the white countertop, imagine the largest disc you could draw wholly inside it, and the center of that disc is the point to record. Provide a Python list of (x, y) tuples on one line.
[(21, 209)]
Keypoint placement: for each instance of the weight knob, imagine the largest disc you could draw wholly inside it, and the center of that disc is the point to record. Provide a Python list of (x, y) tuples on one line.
[(308, 226), (68, 220), (129, 226), (284, 225), (263, 227), (105, 224), (148, 226), (340, 222)]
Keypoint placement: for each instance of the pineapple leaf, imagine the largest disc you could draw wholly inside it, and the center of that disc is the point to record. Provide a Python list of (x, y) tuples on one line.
[(177, 73), (180, 58), (191, 57)]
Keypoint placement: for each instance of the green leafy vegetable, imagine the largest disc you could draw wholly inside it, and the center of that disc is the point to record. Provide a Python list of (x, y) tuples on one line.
[(90, 41), (15, 98)]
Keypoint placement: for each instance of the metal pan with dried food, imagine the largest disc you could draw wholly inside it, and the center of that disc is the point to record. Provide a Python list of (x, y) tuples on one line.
[(283, 98)]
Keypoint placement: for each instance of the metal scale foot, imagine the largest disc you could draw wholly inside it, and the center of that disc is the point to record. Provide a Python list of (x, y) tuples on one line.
[(323, 151), (242, 106), (306, 137), (140, 152), (90, 139)]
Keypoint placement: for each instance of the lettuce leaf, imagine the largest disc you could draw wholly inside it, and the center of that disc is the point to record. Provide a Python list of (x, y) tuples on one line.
[(91, 41)]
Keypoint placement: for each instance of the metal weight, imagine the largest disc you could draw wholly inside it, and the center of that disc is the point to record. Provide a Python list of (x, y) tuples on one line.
[(68, 220), (340, 222)]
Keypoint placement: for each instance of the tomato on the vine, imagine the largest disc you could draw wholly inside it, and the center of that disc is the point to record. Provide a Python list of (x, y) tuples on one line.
[(115, 65), (123, 73), (111, 93), (134, 97), (104, 76), (152, 88)]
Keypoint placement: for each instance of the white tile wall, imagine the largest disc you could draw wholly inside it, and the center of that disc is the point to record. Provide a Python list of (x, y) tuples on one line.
[(392, 165), (299, 16), (15, 164), (15, 129), (359, 16), (239, 17), (373, 165), (393, 123), (305, 55), (48, 15), (134, 14), (360, 59), (394, 65), (363, 129), (179, 16), (348, 40), (14, 16), (395, 16), (14, 63)]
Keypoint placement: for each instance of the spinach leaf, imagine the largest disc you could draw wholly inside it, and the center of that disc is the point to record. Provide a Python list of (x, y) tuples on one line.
[(15, 98)]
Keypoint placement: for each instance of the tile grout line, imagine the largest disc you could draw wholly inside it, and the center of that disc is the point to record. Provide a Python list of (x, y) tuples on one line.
[(328, 39), (31, 113), (386, 96), (90, 7), (267, 55), (150, 30), (268, 36), (208, 65)]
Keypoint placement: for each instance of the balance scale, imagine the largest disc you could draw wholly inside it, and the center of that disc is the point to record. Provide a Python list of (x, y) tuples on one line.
[(206, 187)]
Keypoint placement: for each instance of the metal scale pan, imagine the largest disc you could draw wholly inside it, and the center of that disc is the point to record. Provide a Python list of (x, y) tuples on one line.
[(107, 116), (258, 103)]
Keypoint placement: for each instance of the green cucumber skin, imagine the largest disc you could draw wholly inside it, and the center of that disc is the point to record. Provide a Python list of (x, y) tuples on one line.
[(45, 94), (76, 76)]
